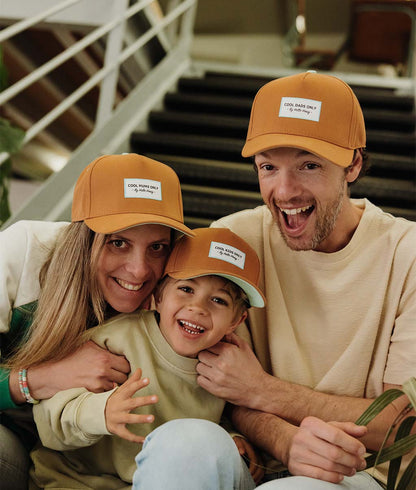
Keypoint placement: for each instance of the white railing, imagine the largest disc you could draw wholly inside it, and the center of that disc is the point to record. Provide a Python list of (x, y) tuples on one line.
[(172, 28)]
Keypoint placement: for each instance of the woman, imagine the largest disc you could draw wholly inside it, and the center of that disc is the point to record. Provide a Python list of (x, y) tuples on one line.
[(108, 260), (126, 210)]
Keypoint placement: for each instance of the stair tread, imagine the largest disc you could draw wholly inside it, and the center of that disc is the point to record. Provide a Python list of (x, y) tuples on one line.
[(371, 97)]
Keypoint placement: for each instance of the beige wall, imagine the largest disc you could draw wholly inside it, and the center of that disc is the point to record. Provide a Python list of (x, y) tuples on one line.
[(269, 16)]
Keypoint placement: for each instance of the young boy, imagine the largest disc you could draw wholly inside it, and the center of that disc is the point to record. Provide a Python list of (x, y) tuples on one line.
[(210, 281)]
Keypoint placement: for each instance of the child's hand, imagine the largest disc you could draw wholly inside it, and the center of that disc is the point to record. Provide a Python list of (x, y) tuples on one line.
[(121, 403), (249, 454)]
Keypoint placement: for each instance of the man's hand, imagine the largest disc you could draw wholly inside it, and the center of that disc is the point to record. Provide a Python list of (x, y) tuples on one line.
[(231, 371), (249, 454), (90, 366), (121, 403), (327, 451)]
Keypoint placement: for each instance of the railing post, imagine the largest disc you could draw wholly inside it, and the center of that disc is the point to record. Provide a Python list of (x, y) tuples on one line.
[(172, 29), (187, 24), (114, 47)]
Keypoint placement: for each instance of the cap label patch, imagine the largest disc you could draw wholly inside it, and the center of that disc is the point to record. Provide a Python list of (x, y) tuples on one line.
[(143, 189), (299, 108), (227, 253)]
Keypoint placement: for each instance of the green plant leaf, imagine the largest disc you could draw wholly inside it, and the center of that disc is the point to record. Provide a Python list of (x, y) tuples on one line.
[(378, 405), (408, 479), (409, 387), (394, 451), (5, 172), (11, 138), (394, 467)]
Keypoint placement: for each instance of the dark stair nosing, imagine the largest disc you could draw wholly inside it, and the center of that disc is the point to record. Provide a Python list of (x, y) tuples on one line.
[(175, 120), (368, 97), (378, 116), (213, 203), (224, 174), (230, 147), (195, 145)]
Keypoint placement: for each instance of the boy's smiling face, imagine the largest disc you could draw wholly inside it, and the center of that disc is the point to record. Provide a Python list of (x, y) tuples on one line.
[(196, 313)]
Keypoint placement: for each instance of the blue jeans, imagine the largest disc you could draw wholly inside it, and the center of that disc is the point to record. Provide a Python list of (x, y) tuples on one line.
[(190, 454), (360, 481)]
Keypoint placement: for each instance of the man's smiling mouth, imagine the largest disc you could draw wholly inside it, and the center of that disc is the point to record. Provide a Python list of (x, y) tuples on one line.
[(191, 328), (296, 217)]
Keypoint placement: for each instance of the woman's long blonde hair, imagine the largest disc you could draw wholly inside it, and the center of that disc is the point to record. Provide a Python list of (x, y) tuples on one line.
[(70, 300)]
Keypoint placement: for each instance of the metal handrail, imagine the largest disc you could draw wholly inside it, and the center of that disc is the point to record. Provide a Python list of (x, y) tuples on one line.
[(103, 72), (176, 9), (69, 53), (22, 25)]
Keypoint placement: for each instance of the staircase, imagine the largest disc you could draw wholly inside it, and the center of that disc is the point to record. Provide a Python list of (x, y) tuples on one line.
[(201, 129)]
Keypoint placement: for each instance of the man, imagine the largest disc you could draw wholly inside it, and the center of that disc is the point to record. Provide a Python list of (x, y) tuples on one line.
[(339, 277)]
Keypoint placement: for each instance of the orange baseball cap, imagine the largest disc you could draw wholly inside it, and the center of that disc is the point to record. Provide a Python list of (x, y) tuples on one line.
[(115, 192), (220, 252), (313, 112)]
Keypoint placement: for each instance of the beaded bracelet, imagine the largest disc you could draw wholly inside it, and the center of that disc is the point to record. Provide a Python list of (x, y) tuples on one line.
[(24, 387)]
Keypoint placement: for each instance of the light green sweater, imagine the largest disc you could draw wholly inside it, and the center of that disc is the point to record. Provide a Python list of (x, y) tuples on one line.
[(75, 418)]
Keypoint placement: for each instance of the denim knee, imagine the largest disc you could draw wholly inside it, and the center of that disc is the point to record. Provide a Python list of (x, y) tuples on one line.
[(186, 454)]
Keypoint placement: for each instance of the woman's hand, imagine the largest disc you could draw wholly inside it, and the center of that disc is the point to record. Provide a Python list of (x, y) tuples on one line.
[(90, 367), (249, 454), (121, 403)]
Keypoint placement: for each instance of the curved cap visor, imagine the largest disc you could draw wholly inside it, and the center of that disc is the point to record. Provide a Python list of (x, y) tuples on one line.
[(119, 222), (341, 156), (254, 295)]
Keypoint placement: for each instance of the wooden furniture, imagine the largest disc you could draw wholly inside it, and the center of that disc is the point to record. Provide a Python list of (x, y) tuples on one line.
[(383, 31)]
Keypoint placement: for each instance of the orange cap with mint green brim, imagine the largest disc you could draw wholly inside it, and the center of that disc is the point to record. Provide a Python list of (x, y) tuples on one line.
[(219, 252), (116, 192), (312, 112)]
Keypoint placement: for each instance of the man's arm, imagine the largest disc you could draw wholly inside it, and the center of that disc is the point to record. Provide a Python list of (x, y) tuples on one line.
[(315, 449), (232, 372)]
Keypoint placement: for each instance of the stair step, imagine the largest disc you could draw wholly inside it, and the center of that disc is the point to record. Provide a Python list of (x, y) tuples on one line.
[(187, 145), (370, 97), (213, 203), (387, 192), (217, 104), (391, 142), (193, 123), (201, 104), (202, 171), (211, 128), (393, 166)]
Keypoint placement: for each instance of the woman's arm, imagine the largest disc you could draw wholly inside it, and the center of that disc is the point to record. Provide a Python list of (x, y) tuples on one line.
[(91, 367), (24, 248)]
